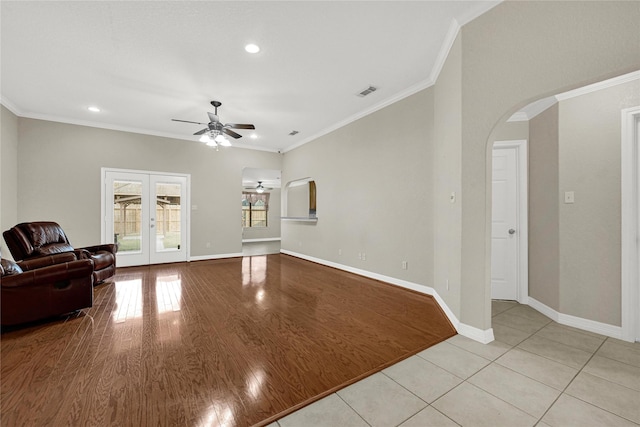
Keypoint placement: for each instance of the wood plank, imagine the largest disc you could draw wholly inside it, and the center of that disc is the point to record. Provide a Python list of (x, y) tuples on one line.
[(239, 341)]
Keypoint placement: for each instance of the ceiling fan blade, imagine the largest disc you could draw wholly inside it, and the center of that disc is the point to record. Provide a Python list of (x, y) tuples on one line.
[(200, 132), (231, 133), (213, 117), (239, 126), (186, 121)]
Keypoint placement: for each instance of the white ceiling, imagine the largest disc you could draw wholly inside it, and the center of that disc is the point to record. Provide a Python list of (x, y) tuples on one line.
[(144, 63)]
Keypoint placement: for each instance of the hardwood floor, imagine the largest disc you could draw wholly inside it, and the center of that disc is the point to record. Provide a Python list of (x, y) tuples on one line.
[(231, 342)]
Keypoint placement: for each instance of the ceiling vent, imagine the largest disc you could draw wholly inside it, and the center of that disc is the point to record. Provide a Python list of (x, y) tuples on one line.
[(367, 91), (293, 132)]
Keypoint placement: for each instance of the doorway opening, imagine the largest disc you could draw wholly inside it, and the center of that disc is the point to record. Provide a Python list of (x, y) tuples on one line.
[(260, 205)]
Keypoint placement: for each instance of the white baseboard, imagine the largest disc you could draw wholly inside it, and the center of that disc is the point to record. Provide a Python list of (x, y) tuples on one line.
[(265, 239), (576, 322), (217, 256), (483, 336)]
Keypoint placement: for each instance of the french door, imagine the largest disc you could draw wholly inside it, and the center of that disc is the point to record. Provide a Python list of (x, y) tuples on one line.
[(146, 216)]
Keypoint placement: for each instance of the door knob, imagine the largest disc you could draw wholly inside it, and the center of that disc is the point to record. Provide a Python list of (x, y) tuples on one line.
[(512, 231)]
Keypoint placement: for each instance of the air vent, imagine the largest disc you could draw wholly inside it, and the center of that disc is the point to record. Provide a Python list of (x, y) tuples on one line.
[(367, 91), (293, 132)]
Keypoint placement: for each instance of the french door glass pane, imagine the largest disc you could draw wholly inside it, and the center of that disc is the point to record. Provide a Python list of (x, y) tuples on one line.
[(168, 211), (127, 218)]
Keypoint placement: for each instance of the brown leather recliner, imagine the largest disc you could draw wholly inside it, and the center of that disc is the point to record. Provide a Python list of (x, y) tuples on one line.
[(37, 290), (31, 240)]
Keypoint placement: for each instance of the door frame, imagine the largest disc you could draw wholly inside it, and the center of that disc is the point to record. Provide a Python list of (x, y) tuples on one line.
[(630, 227), (522, 175), (103, 189)]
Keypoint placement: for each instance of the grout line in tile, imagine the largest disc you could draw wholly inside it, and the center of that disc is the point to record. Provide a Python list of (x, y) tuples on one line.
[(499, 398), (427, 403), (556, 361), (564, 390), (454, 374), (601, 408), (352, 408)]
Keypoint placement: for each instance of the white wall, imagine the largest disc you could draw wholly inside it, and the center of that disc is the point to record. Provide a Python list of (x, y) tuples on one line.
[(59, 179)]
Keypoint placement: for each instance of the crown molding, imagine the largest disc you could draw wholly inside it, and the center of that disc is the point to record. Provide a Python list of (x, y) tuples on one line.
[(533, 109), (397, 97), (11, 106), (445, 48), (537, 107), (520, 116), (15, 110), (625, 78)]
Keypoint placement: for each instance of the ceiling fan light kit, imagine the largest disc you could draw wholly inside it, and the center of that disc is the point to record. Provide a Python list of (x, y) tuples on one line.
[(214, 134)]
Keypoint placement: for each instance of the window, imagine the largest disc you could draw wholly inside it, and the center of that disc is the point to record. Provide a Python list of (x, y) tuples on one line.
[(254, 209)]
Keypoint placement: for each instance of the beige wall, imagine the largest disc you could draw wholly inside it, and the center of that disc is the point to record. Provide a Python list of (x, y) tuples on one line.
[(511, 131), (514, 54), (544, 204), (590, 239), (446, 175), (298, 201), (8, 173), (374, 191), (575, 249), (59, 179)]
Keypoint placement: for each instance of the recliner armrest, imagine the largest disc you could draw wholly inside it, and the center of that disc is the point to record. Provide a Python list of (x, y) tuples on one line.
[(109, 247), (47, 260), (50, 274)]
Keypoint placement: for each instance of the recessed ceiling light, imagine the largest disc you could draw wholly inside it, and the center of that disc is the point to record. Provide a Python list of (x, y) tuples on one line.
[(253, 136), (252, 48), (94, 109)]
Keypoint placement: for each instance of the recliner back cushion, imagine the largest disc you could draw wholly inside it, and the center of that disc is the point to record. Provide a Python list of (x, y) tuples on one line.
[(42, 234), (54, 248)]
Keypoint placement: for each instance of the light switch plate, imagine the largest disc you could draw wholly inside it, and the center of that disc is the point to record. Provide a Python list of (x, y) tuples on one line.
[(569, 197)]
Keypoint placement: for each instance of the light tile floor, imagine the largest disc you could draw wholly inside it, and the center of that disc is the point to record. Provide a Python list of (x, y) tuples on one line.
[(536, 373)]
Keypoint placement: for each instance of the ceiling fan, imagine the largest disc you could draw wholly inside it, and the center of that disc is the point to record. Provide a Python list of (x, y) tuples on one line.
[(213, 134), (259, 188)]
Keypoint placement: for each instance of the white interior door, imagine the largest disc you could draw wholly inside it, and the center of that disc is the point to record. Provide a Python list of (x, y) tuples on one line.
[(146, 215), (504, 229)]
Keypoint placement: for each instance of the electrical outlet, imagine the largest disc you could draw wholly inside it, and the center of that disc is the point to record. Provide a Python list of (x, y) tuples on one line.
[(405, 265)]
